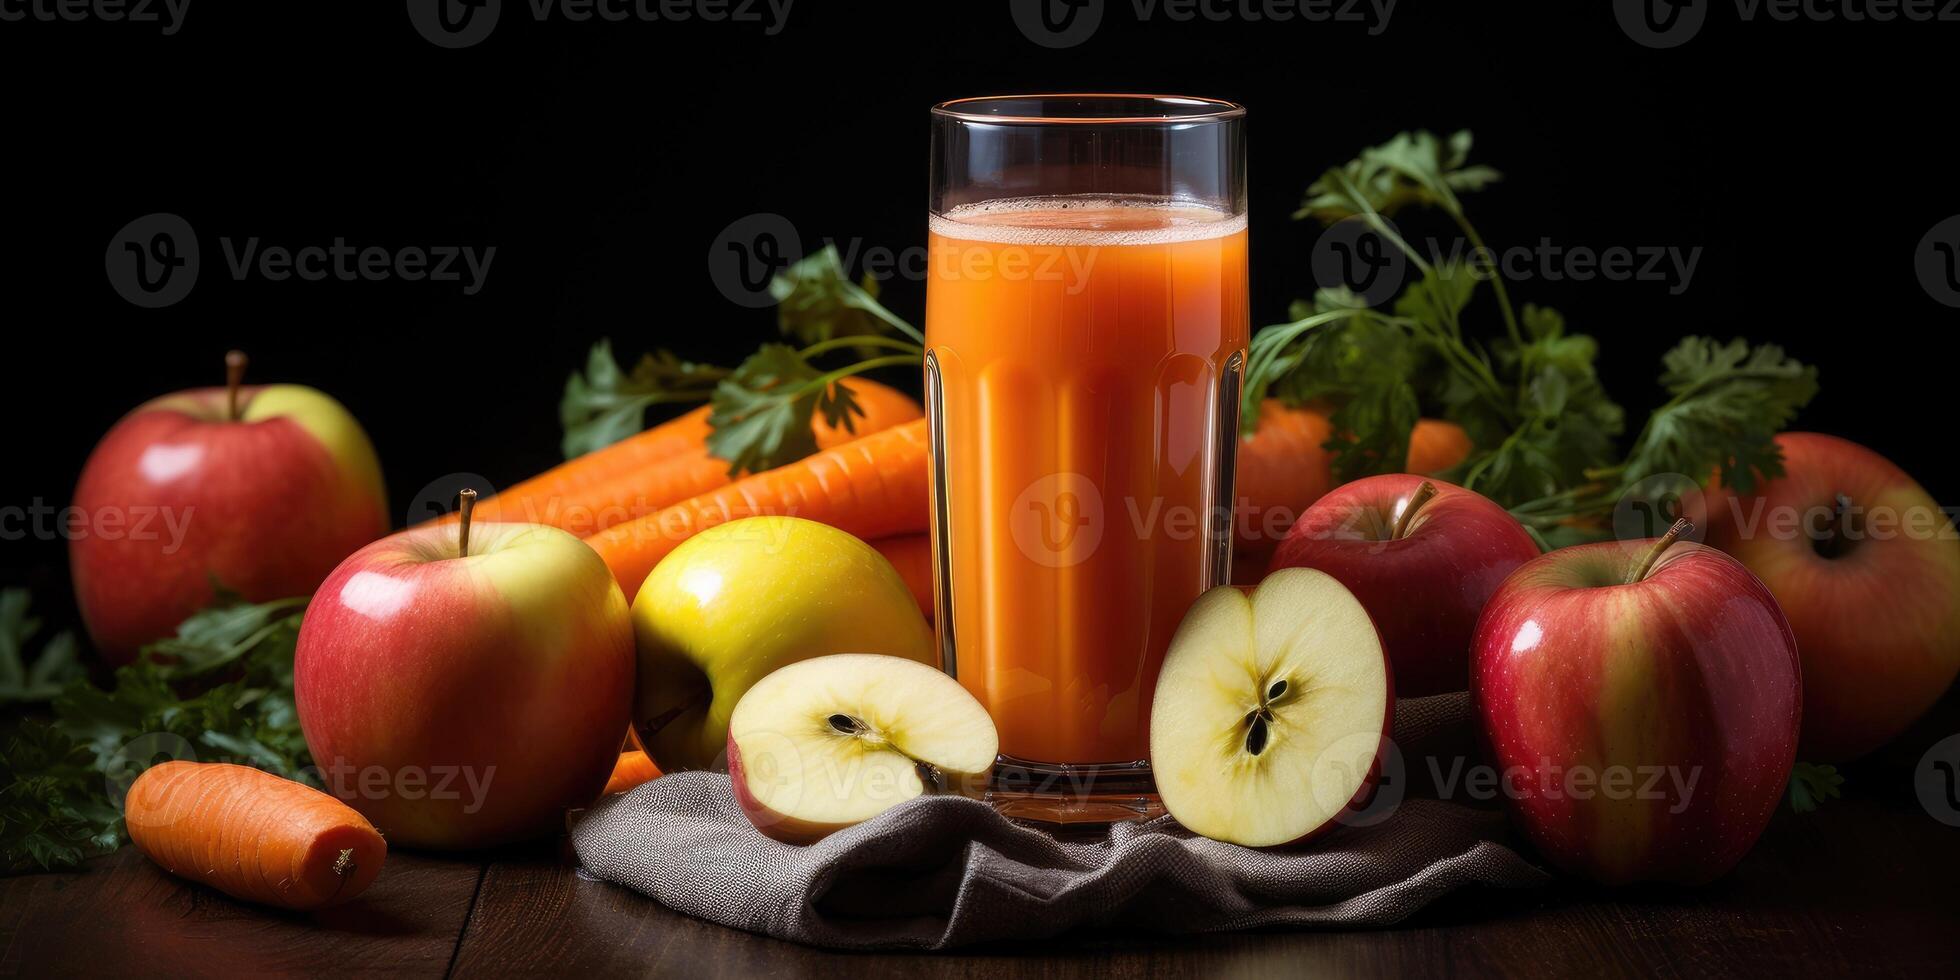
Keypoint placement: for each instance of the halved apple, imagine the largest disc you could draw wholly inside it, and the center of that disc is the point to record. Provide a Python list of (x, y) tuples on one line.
[(1272, 711), (826, 743)]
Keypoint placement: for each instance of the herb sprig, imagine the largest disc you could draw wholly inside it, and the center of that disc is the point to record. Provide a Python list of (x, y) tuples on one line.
[(221, 689), (1530, 398), (761, 409)]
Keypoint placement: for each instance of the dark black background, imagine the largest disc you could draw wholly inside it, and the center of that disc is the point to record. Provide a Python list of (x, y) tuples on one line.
[(602, 159)]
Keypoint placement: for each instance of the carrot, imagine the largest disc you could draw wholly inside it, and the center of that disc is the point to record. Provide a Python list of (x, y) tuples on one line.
[(911, 554), (662, 467), (1282, 470), (873, 487), (252, 835), (633, 768), (1436, 445)]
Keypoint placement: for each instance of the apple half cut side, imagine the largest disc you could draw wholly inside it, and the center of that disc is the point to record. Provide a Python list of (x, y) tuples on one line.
[(826, 743), (1272, 711)]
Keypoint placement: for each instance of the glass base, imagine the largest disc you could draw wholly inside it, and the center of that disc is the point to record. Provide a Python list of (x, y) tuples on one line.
[(1086, 795)]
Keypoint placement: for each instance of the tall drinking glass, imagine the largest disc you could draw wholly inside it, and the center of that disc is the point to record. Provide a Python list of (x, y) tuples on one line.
[(1086, 328)]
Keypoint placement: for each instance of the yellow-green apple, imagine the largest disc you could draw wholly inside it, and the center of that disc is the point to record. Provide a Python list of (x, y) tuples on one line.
[(738, 601), (463, 686), (1423, 556), (822, 744), (261, 489), (1641, 700), (1867, 567), (1272, 711)]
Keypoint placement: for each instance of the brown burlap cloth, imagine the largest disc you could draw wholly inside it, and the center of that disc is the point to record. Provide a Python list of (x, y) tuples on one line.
[(939, 872)]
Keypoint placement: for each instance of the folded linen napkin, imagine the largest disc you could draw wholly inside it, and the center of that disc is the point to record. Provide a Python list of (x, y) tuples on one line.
[(940, 872)]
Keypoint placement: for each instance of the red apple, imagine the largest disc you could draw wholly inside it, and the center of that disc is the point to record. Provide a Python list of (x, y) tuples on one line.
[(262, 489), (1867, 567), (464, 694), (1422, 562), (1642, 702)]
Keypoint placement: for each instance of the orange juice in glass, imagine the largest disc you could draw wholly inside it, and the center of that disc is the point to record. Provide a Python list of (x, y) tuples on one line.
[(1086, 327)]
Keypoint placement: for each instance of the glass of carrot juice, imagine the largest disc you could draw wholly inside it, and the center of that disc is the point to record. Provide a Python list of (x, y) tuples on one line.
[(1086, 328)]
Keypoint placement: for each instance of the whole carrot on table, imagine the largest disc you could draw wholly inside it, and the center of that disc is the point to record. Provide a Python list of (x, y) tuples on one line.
[(873, 487), (252, 835)]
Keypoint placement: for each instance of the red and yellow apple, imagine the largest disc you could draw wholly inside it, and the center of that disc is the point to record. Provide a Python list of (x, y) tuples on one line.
[(1867, 567), (463, 697), (1272, 711), (1642, 702), (1423, 556), (823, 744), (261, 489)]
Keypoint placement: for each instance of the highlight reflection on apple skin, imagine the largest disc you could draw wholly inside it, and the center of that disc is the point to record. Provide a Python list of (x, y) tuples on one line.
[(182, 492), (509, 672), (1646, 728)]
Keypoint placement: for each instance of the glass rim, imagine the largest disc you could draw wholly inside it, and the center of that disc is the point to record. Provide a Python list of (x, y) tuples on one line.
[(1207, 109)]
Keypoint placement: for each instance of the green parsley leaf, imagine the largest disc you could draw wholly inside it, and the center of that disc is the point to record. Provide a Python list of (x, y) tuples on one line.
[(604, 404), (1811, 784), (816, 301), (1729, 402), (1413, 168), (761, 415), (53, 809), (1566, 423), (58, 663)]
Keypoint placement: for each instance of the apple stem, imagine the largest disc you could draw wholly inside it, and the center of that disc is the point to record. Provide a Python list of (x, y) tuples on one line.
[(1666, 541), (234, 377), (466, 502), (1423, 495)]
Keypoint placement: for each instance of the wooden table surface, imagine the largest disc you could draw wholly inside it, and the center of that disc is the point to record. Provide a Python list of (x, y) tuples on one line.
[(1864, 885)]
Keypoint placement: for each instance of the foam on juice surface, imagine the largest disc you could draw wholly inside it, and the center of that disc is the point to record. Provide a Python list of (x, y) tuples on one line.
[(1086, 221)]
